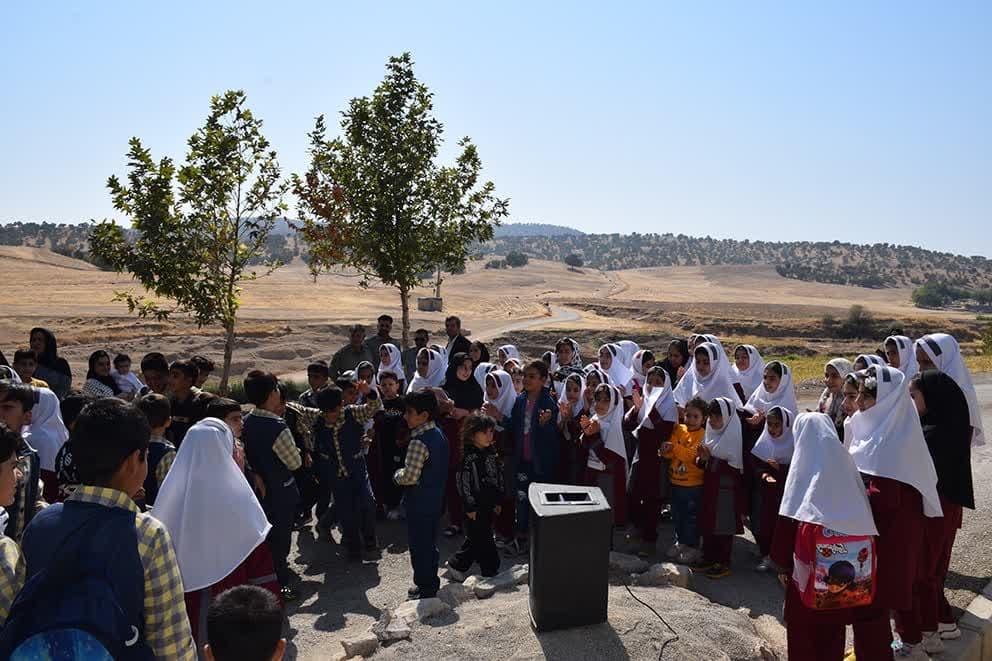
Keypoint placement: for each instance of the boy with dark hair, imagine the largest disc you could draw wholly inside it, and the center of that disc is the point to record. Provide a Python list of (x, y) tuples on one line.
[(11, 559), (161, 453), (349, 391), (155, 372), (25, 364), (121, 579), (390, 436), (245, 624), (273, 455), (128, 382), (318, 374), (65, 465), (338, 437), (229, 411), (204, 367), (189, 406), (424, 473), (16, 402)]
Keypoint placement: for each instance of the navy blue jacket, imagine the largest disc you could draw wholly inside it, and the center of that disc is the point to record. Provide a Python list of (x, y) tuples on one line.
[(544, 439)]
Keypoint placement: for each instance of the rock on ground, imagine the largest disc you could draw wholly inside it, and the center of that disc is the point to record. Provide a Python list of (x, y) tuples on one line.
[(363, 645), (486, 587), (418, 610), (626, 563), (499, 628), (664, 573)]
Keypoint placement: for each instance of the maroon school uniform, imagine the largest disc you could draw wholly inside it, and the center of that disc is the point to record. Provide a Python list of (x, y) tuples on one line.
[(721, 511), (572, 457), (645, 475), (771, 499), (504, 522), (612, 480), (453, 432)]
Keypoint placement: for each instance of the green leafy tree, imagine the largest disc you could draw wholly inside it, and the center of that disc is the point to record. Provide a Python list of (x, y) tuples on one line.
[(198, 229), (574, 260), (515, 259), (375, 200)]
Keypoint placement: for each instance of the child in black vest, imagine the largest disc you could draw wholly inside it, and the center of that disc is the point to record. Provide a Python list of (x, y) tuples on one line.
[(339, 437), (161, 453), (391, 436), (480, 484)]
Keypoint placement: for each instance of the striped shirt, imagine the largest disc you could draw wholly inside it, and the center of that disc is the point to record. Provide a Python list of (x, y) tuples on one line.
[(167, 630), (416, 456), (284, 446), (12, 572)]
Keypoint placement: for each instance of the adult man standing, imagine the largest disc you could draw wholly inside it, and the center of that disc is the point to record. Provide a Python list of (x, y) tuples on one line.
[(457, 343), (385, 325), (420, 339), (349, 356)]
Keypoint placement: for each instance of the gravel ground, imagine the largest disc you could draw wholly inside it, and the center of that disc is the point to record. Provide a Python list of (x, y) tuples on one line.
[(340, 599)]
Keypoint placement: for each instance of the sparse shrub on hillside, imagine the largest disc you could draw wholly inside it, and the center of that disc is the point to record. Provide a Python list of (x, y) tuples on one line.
[(515, 259), (858, 324), (987, 340), (574, 260), (496, 264)]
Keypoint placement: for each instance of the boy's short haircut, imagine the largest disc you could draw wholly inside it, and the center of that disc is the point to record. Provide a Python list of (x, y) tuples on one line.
[(18, 392), (259, 385), (107, 432), (540, 366), (328, 399), (24, 354), (344, 383), (156, 408), (422, 401), (319, 367), (154, 362), (203, 364), (244, 623), (72, 406), (356, 328), (9, 442), (121, 358), (388, 374), (700, 405), (422, 331), (189, 370), (453, 319), (221, 407), (385, 317)]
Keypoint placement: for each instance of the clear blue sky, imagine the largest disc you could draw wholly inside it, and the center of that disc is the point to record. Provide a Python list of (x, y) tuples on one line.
[(858, 121)]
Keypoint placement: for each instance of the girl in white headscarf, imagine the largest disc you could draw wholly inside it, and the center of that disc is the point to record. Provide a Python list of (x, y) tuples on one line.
[(708, 378), (571, 408), (431, 367), (721, 510), (885, 439), (865, 360), (642, 362), (215, 522), (611, 362), (507, 352), (391, 360), (832, 398), (748, 369), (652, 417), (602, 436), (901, 354), (627, 350), (772, 454), (941, 351), (47, 435), (823, 490)]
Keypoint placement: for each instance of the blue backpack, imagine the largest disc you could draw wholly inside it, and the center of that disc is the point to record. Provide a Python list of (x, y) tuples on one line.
[(84, 594)]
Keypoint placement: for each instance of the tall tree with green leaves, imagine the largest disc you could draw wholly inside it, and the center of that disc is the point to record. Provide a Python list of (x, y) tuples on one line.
[(197, 228), (374, 199)]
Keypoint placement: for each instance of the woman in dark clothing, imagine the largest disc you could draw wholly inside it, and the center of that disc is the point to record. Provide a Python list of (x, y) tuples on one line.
[(51, 368), (466, 396), (678, 356), (99, 383)]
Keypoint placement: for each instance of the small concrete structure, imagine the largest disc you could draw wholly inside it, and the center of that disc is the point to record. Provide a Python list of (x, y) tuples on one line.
[(429, 304)]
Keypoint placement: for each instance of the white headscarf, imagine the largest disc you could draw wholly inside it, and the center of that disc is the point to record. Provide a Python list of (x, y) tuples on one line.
[(945, 354), (727, 443), (563, 397), (887, 439), (611, 430), (869, 359), (784, 395), (658, 399), (627, 351), (210, 511), (480, 372), (510, 351), (715, 384), (823, 485), (842, 365), (46, 433), (507, 395), (750, 378), (395, 364), (8, 374), (436, 367), (907, 354), (637, 366), (620, 374), (780, 449)]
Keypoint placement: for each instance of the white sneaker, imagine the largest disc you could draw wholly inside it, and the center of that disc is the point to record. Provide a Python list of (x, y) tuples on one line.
[(932, 642), (902, 650), (766, 565), (394, 515), (673, 551), (948, 631)]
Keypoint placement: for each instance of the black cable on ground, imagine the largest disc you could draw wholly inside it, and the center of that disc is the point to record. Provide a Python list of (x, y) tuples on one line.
[(661, 653)]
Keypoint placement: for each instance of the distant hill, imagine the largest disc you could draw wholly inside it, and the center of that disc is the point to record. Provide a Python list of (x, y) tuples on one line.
[(534, 229)]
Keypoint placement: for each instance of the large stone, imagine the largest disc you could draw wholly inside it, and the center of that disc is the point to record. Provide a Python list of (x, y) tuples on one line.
[(418, 610), (388, 629), (665, 573), (454, 594), (628, 564), (515, 575), (363, 645)]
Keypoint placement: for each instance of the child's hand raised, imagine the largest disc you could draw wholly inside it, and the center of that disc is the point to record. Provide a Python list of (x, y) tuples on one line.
[(490, 409), (756, 419), (544, 417), (703, 453), (592, 428), (363, 387), (563, 410), (774, 464), (637, 398)]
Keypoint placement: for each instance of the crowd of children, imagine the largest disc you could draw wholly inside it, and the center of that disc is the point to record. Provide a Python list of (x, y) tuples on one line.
[(194, 501)]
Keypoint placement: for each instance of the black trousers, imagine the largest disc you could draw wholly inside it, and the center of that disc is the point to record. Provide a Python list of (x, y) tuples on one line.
[(280, 508), (479, 545)]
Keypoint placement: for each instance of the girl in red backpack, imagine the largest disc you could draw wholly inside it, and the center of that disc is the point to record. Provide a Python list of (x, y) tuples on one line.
[(823, 494)]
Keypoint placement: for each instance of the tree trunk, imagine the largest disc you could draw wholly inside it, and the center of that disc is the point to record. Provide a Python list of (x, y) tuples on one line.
[(437, 283), (405, 305), (228, 354)]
